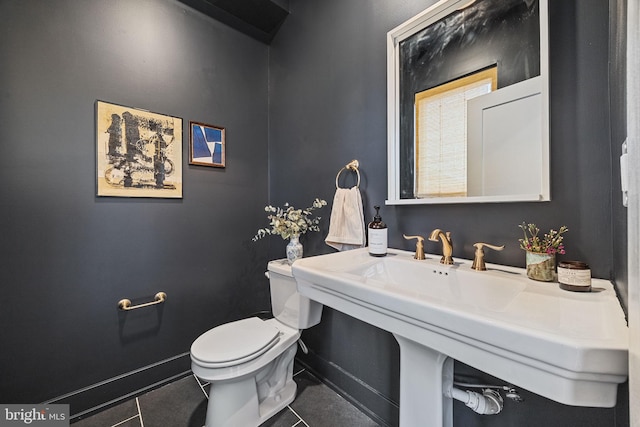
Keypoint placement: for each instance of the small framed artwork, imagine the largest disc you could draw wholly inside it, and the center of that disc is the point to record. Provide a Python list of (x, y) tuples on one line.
[(206, 145), (139, 153)]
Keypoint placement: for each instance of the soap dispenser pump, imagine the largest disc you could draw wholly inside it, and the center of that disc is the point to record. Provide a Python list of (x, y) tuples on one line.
[(377, 235)]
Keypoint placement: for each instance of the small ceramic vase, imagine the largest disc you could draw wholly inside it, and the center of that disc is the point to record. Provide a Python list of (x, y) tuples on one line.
[(294, 248), (541, 266)]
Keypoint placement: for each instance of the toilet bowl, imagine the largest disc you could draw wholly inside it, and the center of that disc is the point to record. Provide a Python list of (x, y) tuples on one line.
[(249, 362)]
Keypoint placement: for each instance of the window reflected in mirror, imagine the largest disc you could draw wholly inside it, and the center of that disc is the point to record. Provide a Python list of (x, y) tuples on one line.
[(441, 134)]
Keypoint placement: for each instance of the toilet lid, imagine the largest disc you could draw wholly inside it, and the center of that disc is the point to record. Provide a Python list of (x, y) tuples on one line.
[(235, 342)]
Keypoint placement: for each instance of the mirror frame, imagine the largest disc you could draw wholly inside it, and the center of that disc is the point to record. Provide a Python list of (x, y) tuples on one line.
[(407, 29)]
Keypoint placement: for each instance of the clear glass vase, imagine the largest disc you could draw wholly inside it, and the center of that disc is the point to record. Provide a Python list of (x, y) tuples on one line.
[(294, 248), (541, 266)]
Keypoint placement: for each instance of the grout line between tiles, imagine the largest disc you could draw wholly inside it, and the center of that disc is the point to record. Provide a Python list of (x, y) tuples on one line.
[(296, 414), (124, 421), (139, 412), (201, 386)]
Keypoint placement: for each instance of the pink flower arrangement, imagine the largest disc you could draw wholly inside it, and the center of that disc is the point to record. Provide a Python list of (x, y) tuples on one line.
[(551, 243)]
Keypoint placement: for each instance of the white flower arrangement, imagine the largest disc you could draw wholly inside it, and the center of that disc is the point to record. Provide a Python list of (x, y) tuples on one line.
[(288, 221)]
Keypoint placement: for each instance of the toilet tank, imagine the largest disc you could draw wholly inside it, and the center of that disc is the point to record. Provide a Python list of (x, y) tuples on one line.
[(287, 305)]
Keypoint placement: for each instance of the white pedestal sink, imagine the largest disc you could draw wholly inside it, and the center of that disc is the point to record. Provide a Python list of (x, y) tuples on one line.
[(568, 347)]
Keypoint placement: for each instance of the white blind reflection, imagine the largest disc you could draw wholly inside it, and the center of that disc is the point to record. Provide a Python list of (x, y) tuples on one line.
[(441, 135)]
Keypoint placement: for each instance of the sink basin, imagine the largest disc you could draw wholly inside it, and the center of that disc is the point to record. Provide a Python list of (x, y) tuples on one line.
[(401, 275), (569, 347)]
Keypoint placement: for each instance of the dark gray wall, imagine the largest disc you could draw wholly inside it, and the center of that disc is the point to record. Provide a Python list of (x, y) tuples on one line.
[(617, 72), (68, 256), (328, 106)]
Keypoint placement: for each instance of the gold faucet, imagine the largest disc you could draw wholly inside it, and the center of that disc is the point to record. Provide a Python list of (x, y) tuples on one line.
[(419, 246), (478, 259), (447, 245)]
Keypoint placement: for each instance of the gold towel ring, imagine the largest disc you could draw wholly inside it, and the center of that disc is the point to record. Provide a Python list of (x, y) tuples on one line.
[(352, 165)]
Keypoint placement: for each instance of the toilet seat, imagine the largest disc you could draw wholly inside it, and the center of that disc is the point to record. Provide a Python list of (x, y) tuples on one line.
[(234, 343)]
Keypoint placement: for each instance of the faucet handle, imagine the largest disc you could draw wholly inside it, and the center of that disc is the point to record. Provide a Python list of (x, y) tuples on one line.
[(478, 259), (419, 246)]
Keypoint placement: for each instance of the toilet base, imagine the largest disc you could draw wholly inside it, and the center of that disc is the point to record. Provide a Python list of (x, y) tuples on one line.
[(230, 407), (273, 405), (250, 401)]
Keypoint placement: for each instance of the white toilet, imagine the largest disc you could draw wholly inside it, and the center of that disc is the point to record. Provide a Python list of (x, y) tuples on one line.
[(249, 362)]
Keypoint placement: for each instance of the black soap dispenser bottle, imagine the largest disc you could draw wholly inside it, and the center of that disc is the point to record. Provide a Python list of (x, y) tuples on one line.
[(377, 235)]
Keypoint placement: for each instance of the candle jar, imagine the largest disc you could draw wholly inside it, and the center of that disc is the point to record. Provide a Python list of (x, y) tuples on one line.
[(574, 276)]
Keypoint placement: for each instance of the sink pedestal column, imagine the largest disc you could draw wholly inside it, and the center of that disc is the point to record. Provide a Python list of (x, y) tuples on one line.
[(423, 373)]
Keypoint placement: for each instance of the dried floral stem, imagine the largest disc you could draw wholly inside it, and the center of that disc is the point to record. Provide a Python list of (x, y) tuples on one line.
[(551, 243), (288, 221)]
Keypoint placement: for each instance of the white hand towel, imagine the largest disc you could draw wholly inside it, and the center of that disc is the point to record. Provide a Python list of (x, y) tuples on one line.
[(346, 227)]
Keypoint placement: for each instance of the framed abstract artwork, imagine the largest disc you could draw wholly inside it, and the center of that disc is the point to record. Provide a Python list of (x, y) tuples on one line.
[(139, 153), (206, 145)]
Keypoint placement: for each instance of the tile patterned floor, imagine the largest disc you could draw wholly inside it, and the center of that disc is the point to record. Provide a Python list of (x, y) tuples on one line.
[(183, 403)]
